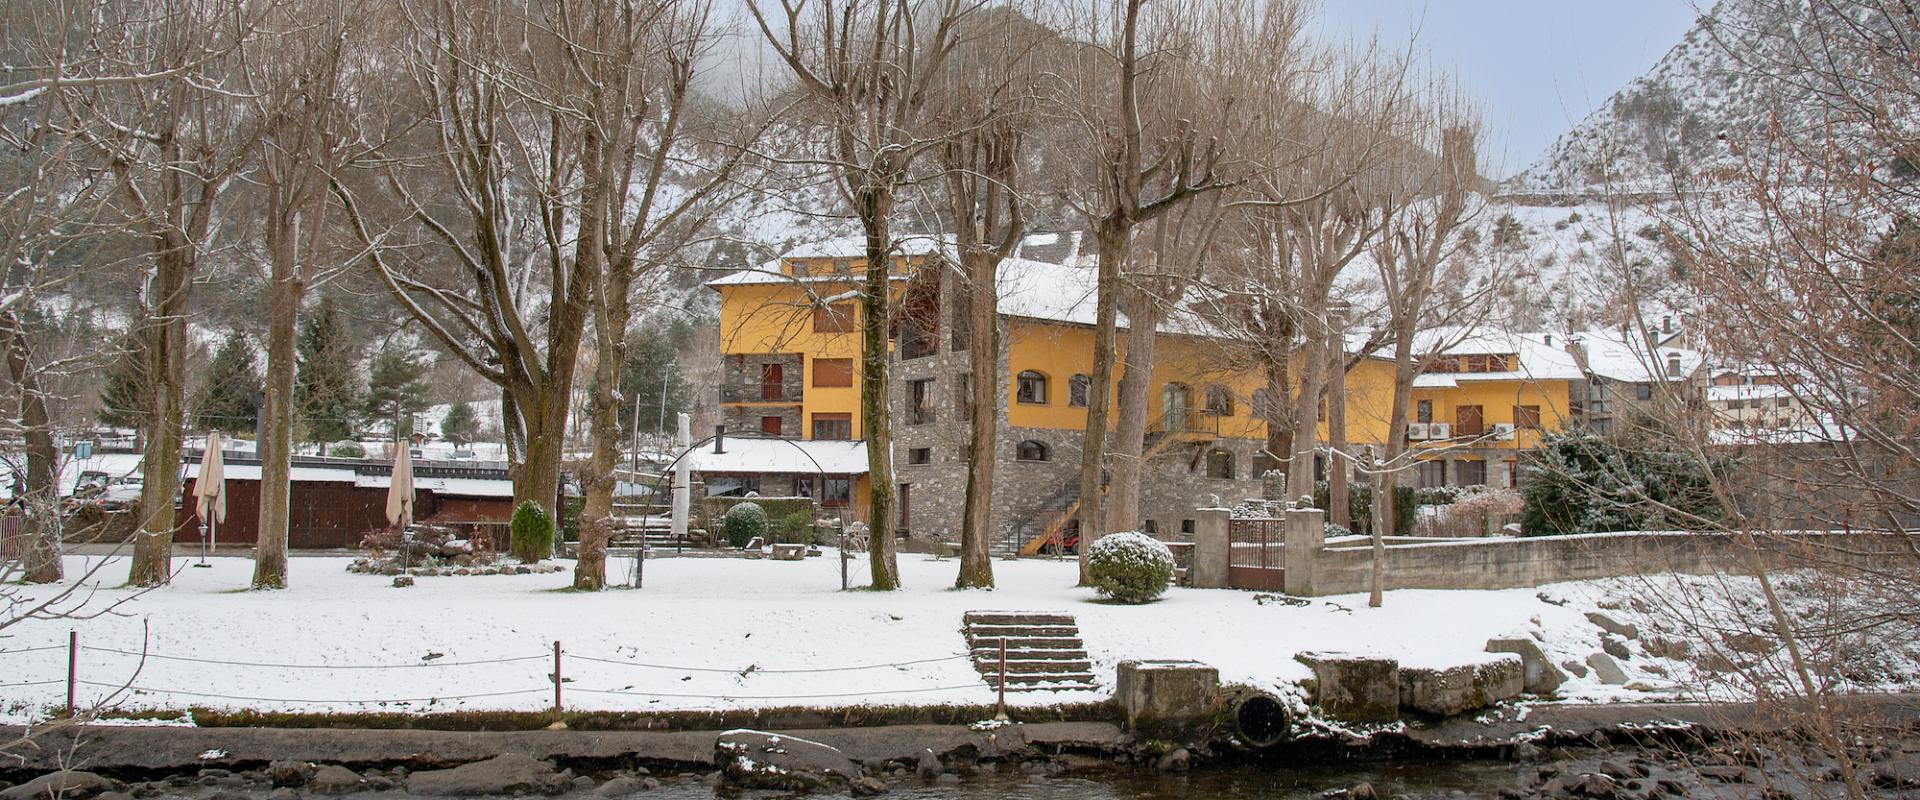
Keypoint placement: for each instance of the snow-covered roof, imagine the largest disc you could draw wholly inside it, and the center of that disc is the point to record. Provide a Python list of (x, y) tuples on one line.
[(459, 487), (1029, 288), (1539, 357), (1747, 391), (1613, 355), (743, 454)]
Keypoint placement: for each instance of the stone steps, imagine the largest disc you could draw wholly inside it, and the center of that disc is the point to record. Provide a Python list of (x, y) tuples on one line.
[(1043, 650)]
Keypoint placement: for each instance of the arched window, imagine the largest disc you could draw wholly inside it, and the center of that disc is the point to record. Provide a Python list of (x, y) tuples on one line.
[(1077, 387), (1031, 450), (1030, 387), (1220, 464), (1219, 401)]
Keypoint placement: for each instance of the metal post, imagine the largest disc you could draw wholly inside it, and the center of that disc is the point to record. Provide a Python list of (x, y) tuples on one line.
[(556, 678), (843, 556), (666, 372), (73, 667), (1000, 709)]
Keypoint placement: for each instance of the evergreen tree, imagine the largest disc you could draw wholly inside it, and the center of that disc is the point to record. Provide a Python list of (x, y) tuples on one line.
[(652, 366), (397, 389), (460, 425), (123, 399), (230, 398), (324, 388), (1579, 482)]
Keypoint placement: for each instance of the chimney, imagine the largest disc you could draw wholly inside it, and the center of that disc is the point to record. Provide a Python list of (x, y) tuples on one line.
[(1666, 324), (1549, 340), (719, 439)]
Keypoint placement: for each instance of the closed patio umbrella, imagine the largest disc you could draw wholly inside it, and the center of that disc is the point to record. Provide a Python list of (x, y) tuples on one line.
[(400, 491), (210, 494)]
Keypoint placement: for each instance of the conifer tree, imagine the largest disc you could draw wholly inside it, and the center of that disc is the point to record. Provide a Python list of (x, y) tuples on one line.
[(122, 399), (229, 400), (324, 389), (460, 425), (397, 389)]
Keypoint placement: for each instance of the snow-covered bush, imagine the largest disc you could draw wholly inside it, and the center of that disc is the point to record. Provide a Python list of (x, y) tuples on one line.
[(1129, 567), (532, 530), (743, 523)]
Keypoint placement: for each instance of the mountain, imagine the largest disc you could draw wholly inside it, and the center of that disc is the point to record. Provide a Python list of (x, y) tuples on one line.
[(1688, 112)]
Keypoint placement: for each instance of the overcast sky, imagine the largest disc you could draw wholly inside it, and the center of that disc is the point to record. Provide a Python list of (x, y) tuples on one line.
[(1537, 66)]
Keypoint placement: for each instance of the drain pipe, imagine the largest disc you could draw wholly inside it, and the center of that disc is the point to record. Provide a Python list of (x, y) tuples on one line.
[(1259, 718)]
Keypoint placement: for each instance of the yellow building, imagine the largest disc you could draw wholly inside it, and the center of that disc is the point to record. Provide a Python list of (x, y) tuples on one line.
[(790, 344)]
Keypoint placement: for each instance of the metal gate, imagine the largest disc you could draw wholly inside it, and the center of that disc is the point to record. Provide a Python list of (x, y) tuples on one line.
[(1256, 554)]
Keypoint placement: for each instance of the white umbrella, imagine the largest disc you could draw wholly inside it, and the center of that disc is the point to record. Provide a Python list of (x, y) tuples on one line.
[(400, 491), (210, 493)]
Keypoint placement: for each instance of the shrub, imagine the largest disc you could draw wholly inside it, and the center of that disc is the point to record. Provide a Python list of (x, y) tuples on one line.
[(1129, 567), (797, 527), (743, 523), (532, 532), (346, 450), (1579, 482), (1360, 505)]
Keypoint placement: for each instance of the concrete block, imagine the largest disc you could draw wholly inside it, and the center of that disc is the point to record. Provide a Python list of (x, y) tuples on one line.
[(1456, 690), (1606, 669), (1355, 688), (1166, 696), (1211, 553), (1611, 624), (1540, 676), (789, 552)]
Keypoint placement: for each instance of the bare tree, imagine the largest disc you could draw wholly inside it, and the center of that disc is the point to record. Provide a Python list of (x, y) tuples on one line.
[(174, 145), (630, 66), (866, 68)]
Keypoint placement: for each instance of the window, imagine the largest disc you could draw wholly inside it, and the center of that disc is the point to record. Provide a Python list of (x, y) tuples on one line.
[(839, 492), (1469, 421), (1186, 526), (919, 455), (1031, 387), (920, 401), (771, 425), (803, 486), (1319, 467), (1643, 391), (1077, 388), (833, 318), (1470, 473), (1259, 404), (1424, 411), (1031, 450), (1513, 474), (833, 426), (1431, 473), (1149, 527), (832, 372), (1780, 402), (1220, 464), (772, 382), (1673, 365), (1526, 417), (1219, 401), (732, 485)]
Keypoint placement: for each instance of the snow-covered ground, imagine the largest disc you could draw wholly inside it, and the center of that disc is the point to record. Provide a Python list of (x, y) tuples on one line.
[(711, 633)]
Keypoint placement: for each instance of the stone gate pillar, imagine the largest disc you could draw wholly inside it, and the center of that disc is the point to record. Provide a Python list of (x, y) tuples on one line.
[(1306, 533), (1210, 549)]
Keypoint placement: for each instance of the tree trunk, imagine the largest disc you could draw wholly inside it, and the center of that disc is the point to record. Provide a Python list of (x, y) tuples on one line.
[(1113, 248), (1383, 485), (40, 513), (1306, 433), (876, 411), (1341, 513), (1130, 425), (611, 313), (163, 346), (537, 476), (983, 359), (276, 407), (1279, 369)]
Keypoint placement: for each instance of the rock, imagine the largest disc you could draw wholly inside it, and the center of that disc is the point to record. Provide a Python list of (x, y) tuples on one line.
[(1539, 675), (621, 787), (113, 796), (583, 783), (1599, 784), (761, 760), (1177, 761), (864, 786), (511, 773), (334, 779), (1611, 624), (1363, 791), (1457, 690), (947, 779), (1616, 648), (1549, 599), (402, 581), (1355, 688), (1663, 647), (1578, 669), (927, 766), (1606, 669), (64, 785), (1725, 773), (1898, 772), (380, 783), (215, 772), (789, 552), (522, 569), (284, 793), (1749, 643), (1623, 769)]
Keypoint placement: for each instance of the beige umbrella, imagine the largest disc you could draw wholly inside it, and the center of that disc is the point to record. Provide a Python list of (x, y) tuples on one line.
[(210, 493), (400, 492)]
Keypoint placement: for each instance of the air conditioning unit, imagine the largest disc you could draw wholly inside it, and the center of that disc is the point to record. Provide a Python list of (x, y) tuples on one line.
[(1417, 431), (1440, 430), (1503, 431)]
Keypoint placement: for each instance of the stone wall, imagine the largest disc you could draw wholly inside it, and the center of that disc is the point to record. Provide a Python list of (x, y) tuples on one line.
[(1344, 565), (740, 377)]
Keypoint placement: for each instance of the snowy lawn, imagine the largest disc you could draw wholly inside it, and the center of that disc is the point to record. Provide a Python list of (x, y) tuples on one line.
[(705, 633)]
